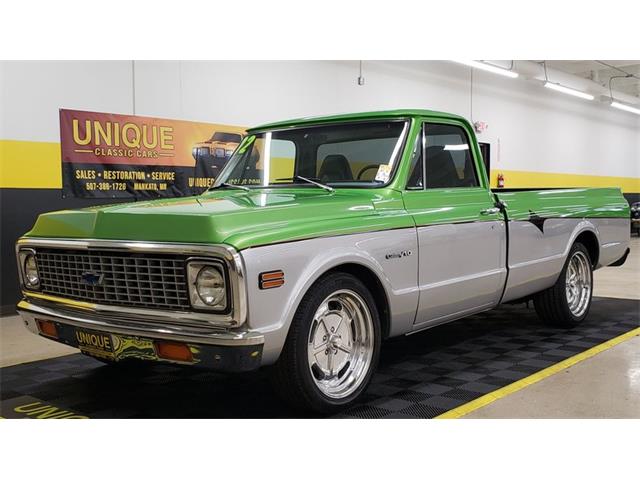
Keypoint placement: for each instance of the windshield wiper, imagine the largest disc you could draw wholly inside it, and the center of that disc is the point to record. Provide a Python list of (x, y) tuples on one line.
[(308, 180), (230, 185)]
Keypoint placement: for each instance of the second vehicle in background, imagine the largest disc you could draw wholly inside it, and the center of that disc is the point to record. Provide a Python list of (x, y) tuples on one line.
[(635, 217)]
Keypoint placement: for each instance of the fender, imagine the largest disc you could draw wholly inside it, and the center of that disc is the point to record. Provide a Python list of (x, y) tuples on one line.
[(607, 252), (304, 262), (586, 225), (613, 236), (536, 258)]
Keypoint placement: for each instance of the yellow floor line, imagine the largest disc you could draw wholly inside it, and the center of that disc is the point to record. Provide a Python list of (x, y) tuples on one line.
[(536, 377)]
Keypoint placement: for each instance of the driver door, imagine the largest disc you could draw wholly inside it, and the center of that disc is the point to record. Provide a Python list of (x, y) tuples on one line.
[(461, 234)]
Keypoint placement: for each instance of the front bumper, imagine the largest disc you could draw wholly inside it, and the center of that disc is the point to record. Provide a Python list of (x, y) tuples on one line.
[(223, 350)]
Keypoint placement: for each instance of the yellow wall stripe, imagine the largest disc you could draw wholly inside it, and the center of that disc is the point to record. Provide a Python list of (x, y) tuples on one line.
[(25, 164), (536, 377), (30, 164), (523, 179)]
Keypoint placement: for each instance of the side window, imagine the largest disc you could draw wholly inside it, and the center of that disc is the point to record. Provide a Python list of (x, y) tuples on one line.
[(449, 162), (416, 177)]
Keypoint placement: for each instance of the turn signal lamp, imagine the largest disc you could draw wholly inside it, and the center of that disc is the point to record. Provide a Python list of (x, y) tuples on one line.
[(174, 351), (47, 328), (273, 279)]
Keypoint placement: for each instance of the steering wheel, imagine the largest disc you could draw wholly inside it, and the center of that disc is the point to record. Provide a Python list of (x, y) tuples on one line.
[(365, 168)]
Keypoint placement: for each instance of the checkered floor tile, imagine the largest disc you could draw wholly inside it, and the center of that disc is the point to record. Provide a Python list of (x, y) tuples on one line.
[(419, 376)]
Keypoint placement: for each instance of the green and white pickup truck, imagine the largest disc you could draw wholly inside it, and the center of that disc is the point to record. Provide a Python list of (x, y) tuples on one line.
[(320, 238)]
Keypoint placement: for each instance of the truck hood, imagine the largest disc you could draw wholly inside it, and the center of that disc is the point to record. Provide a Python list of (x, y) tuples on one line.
[(237, 218)]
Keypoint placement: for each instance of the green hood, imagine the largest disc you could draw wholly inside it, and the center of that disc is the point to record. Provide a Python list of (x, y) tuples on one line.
[(240, 219)]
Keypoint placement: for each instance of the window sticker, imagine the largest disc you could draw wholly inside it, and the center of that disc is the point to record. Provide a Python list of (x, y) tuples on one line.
[(384, 171), (247, 142)]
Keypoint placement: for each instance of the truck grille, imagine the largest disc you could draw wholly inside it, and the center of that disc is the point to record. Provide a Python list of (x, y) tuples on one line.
[(115, 278)]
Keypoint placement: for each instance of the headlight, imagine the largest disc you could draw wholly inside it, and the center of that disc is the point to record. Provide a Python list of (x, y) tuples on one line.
[(210, 286), (219, 152), (207, 285), (229, 153), (30, 270)]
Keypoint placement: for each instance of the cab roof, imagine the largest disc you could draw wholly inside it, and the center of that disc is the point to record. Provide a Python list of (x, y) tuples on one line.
[(346, 117)]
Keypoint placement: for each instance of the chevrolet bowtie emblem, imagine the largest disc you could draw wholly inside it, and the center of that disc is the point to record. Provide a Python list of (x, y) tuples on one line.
[(92, 278)]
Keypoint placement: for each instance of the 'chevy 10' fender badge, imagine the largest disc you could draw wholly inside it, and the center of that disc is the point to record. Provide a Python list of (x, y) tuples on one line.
[(403, 253)]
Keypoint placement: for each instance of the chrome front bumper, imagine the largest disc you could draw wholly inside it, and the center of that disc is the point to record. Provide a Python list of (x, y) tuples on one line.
[(30, 310)]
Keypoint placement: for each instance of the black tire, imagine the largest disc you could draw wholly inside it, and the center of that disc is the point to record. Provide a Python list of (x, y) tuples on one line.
[(291, 376), (552, 305)]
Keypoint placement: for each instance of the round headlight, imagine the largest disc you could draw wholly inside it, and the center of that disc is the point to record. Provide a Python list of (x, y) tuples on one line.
[(210, 286), (31, 271)]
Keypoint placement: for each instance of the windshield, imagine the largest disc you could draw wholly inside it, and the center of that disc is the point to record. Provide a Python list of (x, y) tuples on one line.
[(340, 155), (226, 137)]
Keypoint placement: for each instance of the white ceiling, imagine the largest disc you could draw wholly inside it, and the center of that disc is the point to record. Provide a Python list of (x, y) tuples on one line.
[(600, 71)]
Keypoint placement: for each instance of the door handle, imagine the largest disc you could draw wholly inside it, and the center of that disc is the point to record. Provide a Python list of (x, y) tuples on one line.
[(490, 211)]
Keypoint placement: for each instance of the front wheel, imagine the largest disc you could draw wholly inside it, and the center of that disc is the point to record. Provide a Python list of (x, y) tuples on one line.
[(567, 303), (332, 348)]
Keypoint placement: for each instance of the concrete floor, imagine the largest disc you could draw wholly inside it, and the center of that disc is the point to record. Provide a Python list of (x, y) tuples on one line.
[(18, 345), (604, 386), (620, 282)]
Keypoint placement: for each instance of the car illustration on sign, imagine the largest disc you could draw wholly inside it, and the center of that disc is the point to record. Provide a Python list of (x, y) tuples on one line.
[(212, 155), (320, 238)]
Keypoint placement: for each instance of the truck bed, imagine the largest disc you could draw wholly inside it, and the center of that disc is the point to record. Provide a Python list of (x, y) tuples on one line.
[(542, 224), (563, 202)]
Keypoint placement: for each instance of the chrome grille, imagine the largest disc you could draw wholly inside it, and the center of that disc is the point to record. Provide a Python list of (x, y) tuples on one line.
[(127, 279)]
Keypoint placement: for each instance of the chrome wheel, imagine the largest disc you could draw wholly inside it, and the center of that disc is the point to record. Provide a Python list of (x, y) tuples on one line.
[(578, 283), (340, 344)]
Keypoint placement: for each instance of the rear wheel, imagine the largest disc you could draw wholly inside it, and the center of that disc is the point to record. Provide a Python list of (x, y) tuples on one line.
[(567, 302), (332, 348)]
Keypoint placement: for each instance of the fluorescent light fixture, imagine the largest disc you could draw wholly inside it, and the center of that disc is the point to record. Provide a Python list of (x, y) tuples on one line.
[(488, 68), (569, 91), (462, 146), (626, 108)]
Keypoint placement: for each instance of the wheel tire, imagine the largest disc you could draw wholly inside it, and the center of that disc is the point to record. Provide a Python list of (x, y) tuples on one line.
[(553, 305), (292, 375)]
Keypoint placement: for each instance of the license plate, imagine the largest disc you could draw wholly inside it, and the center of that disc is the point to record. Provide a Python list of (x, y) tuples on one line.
[(95, 343)]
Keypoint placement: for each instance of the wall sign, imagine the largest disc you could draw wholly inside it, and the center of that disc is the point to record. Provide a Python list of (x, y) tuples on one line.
[(106, 155)]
